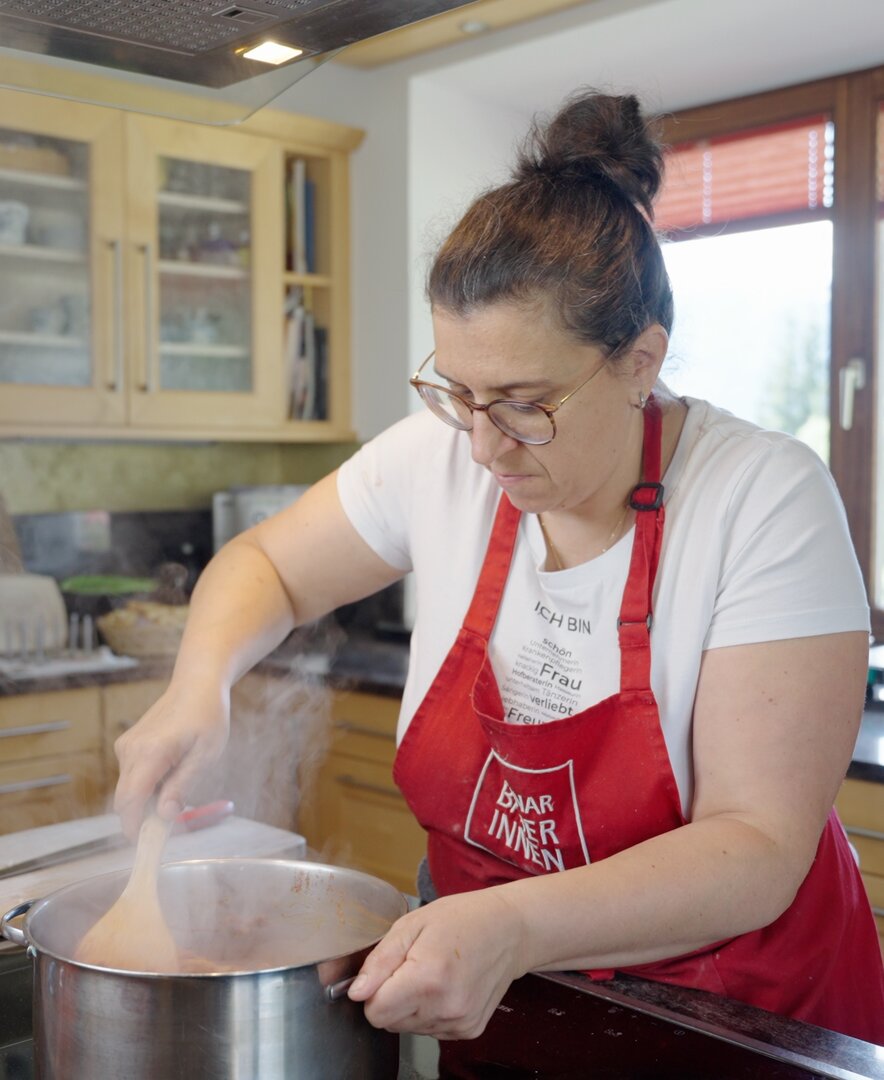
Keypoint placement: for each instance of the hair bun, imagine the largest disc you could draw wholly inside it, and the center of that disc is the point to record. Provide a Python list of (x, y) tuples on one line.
[(597, 139)]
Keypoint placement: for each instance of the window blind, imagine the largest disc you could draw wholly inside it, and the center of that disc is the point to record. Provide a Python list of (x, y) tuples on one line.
[(782, 171)]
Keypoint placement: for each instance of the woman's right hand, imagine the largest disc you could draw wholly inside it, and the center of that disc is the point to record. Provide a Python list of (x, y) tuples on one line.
[(175, 741)]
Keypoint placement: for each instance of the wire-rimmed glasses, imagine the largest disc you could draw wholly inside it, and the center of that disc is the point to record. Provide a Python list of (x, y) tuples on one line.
[(531, 422)]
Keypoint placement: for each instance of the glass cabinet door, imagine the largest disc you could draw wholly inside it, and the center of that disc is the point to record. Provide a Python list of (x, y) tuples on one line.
[(60, 265), (205, 269), (205, 249)]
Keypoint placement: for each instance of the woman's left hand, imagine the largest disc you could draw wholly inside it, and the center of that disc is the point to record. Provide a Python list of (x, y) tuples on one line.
[(441, 970)]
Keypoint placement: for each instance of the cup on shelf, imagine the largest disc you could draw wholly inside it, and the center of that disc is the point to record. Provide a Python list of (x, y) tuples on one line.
[(75, 307), (14, 217), (49, 319)]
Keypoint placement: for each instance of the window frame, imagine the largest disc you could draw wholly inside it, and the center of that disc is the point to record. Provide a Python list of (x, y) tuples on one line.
[(852, 100)]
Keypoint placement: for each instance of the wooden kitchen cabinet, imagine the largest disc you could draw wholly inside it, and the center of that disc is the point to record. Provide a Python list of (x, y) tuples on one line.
[(122, 705), (145, 294), (860, 805), (51, 758), (352, 811)]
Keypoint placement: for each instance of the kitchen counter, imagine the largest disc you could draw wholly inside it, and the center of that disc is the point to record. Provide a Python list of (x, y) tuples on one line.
[(564, 1027), (362, 662), (358, 662)]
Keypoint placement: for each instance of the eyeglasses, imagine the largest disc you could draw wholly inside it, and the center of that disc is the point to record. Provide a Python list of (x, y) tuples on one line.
[(531, 422)]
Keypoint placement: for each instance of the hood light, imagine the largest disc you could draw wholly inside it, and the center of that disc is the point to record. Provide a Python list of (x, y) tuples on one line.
[(473, 26), (271, 52)]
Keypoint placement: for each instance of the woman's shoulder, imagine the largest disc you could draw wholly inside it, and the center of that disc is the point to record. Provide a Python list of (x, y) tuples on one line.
[(713, 438)]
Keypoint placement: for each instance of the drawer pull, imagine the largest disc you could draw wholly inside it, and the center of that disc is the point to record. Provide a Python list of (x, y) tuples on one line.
[(32, 785), (35, 729), (879, 911), (869, 834), (361, 785), (349, 727)]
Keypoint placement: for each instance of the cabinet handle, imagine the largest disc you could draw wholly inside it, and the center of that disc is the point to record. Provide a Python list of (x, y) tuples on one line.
[(32, 785), (35, 729), (350, 727), (879, 911), (869, 834), (148, 363), (115, 382), (851, 377), (361, 785)]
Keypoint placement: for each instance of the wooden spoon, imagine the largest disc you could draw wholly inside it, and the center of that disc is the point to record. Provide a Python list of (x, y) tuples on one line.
[(132, 934)]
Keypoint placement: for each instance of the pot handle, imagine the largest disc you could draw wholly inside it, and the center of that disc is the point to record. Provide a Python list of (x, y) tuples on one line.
[(12, 933), (337, 990)]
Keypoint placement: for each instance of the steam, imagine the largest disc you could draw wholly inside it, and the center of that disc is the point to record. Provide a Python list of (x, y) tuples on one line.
[(280, 731)]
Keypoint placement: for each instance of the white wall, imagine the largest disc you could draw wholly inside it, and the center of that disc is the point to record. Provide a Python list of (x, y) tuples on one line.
[(442, 126), (457, 146)]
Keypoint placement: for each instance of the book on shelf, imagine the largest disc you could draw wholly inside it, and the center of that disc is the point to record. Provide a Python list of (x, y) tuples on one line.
[(307, 361), (302, 218), (310, 225)]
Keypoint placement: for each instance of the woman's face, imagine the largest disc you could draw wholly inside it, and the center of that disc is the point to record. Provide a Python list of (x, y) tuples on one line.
[(519, 351)]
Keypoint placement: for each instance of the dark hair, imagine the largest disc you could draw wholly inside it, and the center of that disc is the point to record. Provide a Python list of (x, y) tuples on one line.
[(574, 225)]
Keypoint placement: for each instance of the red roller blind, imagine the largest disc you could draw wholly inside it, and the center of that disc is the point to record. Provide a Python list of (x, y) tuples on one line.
[(777, 171)]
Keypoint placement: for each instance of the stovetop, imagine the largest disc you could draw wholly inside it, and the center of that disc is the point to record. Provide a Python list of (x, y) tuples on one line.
[(561, 1027)]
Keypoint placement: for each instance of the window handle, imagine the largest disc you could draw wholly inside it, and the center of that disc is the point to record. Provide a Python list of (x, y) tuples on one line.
[(851, 377)]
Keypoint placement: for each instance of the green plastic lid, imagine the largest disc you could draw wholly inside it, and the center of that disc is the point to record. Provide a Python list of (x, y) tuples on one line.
[(107, 585)]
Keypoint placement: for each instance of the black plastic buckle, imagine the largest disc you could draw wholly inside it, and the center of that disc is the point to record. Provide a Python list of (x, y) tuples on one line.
[(637, 503)]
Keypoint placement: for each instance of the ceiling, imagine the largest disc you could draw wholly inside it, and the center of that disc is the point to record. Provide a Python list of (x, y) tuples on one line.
[(674, 53)]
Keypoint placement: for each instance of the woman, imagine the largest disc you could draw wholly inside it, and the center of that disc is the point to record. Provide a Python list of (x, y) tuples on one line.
[(639, 657)]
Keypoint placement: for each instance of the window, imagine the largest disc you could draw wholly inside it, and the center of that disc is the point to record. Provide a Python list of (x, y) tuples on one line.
[(774, 212)]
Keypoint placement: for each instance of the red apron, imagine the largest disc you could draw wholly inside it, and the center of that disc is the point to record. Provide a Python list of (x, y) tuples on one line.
[(502, 801)]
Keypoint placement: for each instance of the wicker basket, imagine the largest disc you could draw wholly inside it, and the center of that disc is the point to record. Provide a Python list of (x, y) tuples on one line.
[(144, 628)]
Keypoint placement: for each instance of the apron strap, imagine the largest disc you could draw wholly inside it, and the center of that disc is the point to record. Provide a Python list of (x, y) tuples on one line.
[(495, 569), (636, 610)]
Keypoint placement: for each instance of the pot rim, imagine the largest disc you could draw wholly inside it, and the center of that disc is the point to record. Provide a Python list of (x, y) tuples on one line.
[(35, 906)]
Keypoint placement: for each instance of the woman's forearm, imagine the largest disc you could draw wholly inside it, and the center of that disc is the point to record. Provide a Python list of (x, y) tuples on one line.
[(686, 889)]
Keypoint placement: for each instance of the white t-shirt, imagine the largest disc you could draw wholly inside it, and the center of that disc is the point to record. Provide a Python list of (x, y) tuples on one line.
[(755, 548)]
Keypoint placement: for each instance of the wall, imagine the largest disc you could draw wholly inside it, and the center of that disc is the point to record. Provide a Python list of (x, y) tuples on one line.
[(449, 161), (41, 477)]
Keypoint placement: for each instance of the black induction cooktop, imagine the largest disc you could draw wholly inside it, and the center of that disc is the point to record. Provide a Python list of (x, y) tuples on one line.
[(564, 1028)]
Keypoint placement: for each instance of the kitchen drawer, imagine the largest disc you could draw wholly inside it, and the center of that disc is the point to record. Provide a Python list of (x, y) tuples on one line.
[(51, 789), (364, 726), (364, 820), (125, 703), (860, 805), (870, 851), (40, 725)]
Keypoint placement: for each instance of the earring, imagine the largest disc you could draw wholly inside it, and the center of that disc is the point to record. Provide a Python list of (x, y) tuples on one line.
[(642, 400)]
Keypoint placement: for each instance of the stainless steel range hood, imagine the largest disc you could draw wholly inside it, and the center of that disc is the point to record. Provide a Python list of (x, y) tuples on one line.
[(198, 46)]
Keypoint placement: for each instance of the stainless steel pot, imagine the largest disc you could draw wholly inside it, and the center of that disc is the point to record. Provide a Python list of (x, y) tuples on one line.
[(271, 941)]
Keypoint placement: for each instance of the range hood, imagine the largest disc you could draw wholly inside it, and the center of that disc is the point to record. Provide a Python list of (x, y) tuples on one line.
[(200, 47)]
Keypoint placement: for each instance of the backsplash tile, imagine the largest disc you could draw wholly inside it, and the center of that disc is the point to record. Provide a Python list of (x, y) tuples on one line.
[(99, 542), (46, 477), (135, 544)]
